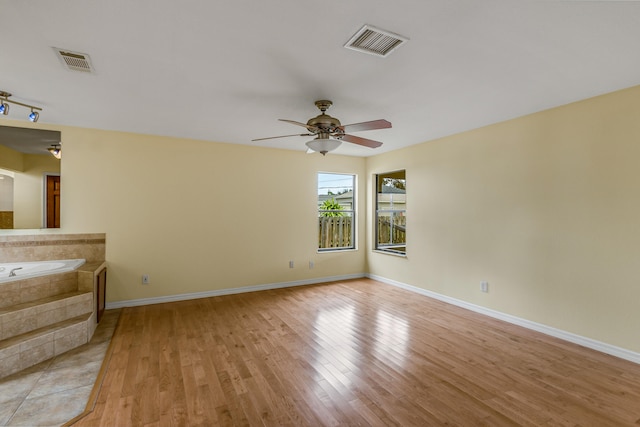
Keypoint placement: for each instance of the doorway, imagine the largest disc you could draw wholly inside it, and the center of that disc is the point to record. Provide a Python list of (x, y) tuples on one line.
[(52, 196)]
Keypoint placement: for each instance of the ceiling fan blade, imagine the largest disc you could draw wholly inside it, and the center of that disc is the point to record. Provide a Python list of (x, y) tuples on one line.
[(293, 122), (283, 136), (372, 125), (361, 141)]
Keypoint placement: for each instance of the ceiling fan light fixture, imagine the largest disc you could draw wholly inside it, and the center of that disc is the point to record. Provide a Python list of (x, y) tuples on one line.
[(56, 151), (323, 145)]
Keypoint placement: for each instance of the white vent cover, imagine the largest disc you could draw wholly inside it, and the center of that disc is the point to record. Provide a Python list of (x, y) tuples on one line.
[(74, 61), (375, 41)]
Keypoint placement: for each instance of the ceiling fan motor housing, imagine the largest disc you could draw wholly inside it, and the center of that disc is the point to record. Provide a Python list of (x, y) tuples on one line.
[(324, 122)]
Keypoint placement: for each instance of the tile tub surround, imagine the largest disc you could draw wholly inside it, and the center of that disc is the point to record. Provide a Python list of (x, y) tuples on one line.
[(23, 318), (46, 316), (37, 331), (57, 390), (30, 289), (46, 247), (55, 342)]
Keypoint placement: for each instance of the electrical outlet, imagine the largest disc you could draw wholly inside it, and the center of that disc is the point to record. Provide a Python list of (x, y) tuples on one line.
[(145, 279), (290, 264), (311, 265), (484, 286)]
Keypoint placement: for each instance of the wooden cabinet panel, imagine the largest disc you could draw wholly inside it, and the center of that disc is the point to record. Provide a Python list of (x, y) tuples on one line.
[(101, 289)]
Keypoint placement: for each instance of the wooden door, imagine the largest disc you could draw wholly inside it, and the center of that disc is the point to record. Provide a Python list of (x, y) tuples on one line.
[(53, 201)]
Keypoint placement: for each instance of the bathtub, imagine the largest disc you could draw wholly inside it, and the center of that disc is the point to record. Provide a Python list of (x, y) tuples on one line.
[(36, 268)]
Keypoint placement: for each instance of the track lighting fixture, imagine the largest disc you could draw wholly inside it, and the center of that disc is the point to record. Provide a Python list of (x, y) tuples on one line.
[(4, 106), (56, 151)]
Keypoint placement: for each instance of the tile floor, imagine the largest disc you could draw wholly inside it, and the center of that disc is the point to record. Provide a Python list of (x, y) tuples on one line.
[(55, 391)]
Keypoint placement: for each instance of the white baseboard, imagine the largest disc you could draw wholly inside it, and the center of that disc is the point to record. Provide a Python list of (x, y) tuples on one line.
[(230, 291), (622, 353)]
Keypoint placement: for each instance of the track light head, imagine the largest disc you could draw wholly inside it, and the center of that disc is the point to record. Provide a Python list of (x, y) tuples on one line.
[(4, 108), (34, 116)]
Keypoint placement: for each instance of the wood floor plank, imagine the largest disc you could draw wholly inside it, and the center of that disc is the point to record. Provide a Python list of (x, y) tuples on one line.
[(354, 352)]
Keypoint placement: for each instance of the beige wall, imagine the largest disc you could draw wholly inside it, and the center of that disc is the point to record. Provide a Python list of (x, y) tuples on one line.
[(28, 190), (546, 208), (198, 216), (6, 190), (11, 159)]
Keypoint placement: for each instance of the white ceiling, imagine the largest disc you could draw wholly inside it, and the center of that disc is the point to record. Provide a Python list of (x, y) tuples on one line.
[(226, 70)]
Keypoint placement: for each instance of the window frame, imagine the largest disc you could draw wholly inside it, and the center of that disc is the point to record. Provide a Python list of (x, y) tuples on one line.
[(350, 212), (388, 248)]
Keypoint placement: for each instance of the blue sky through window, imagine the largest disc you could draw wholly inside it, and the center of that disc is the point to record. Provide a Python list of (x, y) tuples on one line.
[(334, 183)]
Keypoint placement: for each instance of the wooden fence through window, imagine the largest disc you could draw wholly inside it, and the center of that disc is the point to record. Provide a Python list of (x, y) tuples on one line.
[(335, 232), (392, 230)]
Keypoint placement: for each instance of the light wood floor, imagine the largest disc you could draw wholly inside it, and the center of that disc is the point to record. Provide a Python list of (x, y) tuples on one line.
[(351, 353)]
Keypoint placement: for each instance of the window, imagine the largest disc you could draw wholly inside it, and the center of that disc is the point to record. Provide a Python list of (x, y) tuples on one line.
[(391, 219), (336, 211)]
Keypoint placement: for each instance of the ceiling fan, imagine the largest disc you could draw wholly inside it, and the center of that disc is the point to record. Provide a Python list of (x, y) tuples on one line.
[(330, 133)]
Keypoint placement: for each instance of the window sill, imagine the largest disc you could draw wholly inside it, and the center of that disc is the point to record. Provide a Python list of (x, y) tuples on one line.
[(334, 250), (378, 251)]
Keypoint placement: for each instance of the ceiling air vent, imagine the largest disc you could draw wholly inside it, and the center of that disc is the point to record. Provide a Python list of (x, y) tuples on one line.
[(74, 61), (375, 41)]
